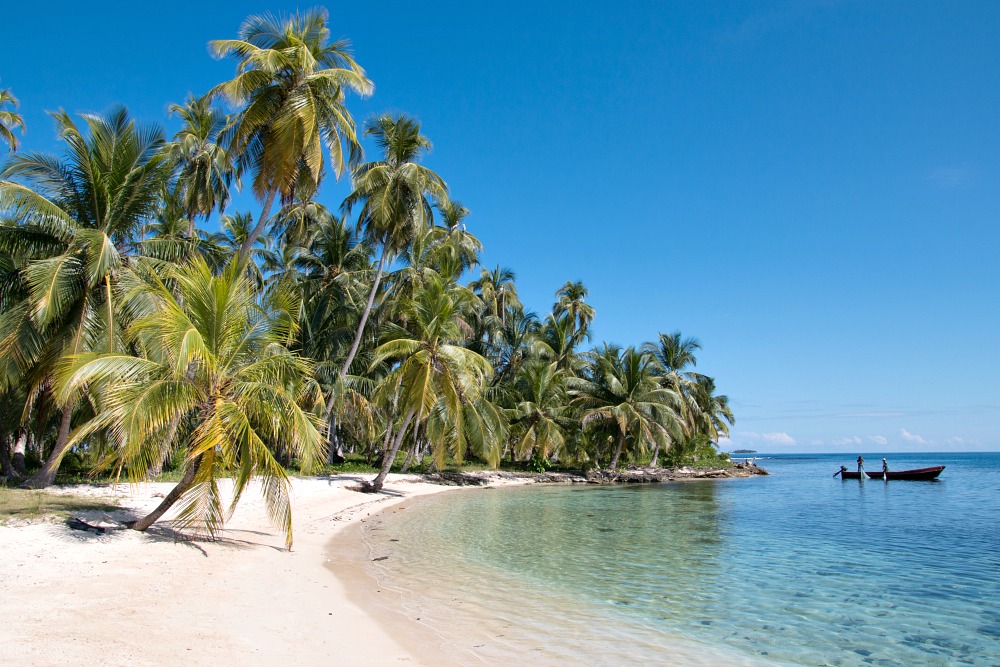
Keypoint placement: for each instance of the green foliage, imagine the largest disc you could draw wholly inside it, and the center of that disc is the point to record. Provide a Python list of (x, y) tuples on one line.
[(134, 344)]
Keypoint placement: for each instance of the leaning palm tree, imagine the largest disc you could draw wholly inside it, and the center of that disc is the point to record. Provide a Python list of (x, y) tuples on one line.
[(9, 119), (291, 83), (212, 359), (621, 394), (395, 196), (435, 374), (80, 220)]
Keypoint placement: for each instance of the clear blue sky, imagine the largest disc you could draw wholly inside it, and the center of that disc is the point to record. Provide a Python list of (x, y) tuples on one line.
[(810, 188)]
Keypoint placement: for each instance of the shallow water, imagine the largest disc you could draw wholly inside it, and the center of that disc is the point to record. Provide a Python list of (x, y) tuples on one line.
[(796, 568)]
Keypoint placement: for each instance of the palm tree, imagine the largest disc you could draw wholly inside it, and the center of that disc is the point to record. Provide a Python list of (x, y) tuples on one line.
[(716, 415), (394, 194), (9, 119), (455, 249), (435, 375), (234, 231), (205, 168), (540, 416), (291, 83), (620, 393), (673, 355), (498, 291), (78, 226), (571, 304), (213, 359), (557, 341)]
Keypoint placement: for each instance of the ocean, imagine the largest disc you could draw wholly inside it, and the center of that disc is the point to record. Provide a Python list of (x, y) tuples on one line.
[(795, 568)]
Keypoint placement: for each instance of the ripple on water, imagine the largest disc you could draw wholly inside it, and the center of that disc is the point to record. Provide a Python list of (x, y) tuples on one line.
[(788, 569)]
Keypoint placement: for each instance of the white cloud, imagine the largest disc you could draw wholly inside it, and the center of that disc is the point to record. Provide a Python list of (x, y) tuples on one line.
[(879, 439), (912, 437), (849, 440), (950, 178)]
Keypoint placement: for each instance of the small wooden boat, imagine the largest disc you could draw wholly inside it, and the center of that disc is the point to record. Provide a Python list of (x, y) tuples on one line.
[(916, 474)]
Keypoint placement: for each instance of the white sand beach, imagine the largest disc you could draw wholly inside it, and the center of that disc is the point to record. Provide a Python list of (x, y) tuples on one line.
[(70, 597)]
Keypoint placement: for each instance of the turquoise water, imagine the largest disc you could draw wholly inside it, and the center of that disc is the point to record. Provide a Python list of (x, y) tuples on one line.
[(796, 568)]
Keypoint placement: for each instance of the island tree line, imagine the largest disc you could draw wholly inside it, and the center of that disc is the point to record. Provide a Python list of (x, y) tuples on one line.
[(133, 340)]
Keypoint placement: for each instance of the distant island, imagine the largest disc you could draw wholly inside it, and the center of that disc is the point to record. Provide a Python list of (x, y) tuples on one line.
[(744, 451)]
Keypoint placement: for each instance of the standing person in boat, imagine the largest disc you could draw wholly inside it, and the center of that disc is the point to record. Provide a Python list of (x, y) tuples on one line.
[(861, 464), (885, 466)]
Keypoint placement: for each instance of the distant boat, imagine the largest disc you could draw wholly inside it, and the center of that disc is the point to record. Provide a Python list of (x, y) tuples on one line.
[(915, 474)]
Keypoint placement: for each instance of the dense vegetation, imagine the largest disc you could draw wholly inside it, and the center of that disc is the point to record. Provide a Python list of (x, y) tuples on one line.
[(133, 340)]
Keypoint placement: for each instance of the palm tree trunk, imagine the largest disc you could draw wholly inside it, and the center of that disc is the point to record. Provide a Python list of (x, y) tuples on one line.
[(413, 449), (265, 214), (618, 451), (47, 474), (6, 469), (17, 454), (656, 455), (364, 317), (409, 456), (182, 486), (376, 484), (334, 445)]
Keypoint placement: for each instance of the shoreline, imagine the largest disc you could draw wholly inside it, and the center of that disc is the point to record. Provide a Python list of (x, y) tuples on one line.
[(128, 598), (153, 598), (432, 619)]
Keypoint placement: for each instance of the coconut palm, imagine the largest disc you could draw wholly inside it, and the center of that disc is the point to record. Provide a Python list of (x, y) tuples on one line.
[(498, 291), (455, 250), (716, 415), (512, 345), (212, 358), (80, 220), (557, 341), (205, 168), (572, 305), (395, 196), (9, 119), (674, 355), (620, 393), (540, 416), (435, 374), (291, 84)]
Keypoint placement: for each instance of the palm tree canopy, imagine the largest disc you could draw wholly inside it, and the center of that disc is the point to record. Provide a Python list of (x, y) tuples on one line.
[(291, 83), (621, 393), (210, 354), (9, 119), (395, 193), (206, 169)]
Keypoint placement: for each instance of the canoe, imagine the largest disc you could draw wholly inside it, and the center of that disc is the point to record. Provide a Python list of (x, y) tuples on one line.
[(916, 474)]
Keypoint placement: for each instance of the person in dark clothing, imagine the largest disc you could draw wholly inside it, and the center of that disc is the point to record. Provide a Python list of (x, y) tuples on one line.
[(885, 466), (861, 464)]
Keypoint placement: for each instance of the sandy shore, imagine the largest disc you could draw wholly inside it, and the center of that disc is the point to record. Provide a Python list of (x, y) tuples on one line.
[(126, 598)]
